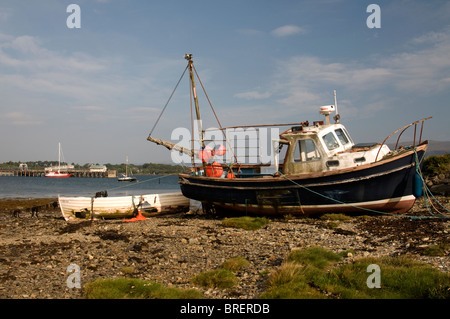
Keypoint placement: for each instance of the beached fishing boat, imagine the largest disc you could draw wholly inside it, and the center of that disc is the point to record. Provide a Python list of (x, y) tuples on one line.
[(317, 168), (74, 208)]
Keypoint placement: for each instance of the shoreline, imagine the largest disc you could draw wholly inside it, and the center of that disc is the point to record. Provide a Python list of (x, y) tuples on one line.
[(23, 203), (35, 253)]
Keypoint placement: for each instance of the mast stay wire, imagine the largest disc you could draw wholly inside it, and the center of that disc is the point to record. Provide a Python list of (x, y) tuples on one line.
[(207, 97), (215, 115), (167, 103)]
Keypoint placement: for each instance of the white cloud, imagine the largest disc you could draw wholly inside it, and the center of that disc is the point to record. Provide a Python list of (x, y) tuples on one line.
[(71, 90), (27, 53), (366, 86), (419, 72), (252, 95), (22, 119), (425, 69), (88, 108), (287, 30)]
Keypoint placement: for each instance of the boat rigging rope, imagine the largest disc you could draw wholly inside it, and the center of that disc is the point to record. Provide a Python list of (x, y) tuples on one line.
[(217, 119), (167, 103), (209, 101)]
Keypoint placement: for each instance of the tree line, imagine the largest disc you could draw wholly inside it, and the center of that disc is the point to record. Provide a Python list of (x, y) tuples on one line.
[(144, 169)]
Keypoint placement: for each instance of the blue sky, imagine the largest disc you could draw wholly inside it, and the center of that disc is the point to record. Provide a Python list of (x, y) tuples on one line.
[(98, 89)]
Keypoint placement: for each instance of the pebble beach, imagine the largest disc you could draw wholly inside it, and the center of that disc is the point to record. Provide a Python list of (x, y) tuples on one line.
[(35, 252)]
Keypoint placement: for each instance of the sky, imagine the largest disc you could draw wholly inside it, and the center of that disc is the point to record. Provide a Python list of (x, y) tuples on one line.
[(98, 89)]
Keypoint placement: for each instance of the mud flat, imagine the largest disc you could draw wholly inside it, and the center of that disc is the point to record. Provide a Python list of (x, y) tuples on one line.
[(35, 252)]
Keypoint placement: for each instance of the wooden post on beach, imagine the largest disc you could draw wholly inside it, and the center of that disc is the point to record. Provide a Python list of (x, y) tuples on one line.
[(92, 209)]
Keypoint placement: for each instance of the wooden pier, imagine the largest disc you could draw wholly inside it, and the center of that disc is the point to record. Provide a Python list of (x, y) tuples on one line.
[(41, 173)]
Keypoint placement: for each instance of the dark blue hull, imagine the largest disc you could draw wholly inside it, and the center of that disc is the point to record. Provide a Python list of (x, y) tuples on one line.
[(384, 186)]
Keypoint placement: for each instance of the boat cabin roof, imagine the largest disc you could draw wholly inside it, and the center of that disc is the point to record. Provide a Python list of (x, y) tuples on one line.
[(320, 148), (332, 138)]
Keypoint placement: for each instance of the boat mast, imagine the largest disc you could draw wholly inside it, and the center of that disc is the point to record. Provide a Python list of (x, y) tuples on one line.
[(59, 157), (188, 56)]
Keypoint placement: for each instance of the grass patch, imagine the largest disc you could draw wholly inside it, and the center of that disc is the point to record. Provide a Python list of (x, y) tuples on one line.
[(311, 273), (246, 222), (235, 264), (436, 250), (315, 256), (130, 288), (223, 277), (336, 217), (127, 270), (219, 278), (331, 225), (435, 165), (332, 221), (291, 282), (401, 278)]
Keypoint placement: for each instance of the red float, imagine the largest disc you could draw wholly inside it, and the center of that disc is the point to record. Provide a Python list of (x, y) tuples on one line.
[(214, 170)]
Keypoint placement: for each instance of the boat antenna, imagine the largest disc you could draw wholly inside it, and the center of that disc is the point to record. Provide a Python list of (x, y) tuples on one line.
[(337, 116)]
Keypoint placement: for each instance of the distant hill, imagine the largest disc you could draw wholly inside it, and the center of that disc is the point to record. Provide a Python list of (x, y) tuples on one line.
[(438, 148), (434, 147)]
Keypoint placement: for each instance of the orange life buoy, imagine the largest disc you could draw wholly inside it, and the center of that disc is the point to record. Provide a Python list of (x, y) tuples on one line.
[(214, 170)]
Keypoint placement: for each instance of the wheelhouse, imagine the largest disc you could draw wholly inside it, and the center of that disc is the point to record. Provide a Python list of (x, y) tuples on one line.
[(321, 148)]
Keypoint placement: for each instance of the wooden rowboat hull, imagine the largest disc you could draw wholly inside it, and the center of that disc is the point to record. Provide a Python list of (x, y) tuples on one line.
[(77, 208)]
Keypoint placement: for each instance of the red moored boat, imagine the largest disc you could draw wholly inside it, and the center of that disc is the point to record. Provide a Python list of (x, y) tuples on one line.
[(56, 171)]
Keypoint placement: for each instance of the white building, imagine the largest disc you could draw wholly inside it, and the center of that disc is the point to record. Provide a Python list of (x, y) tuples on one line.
[(97, 168)]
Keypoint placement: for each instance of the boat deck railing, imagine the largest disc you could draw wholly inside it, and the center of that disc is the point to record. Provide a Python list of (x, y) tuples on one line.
[(402, 130)]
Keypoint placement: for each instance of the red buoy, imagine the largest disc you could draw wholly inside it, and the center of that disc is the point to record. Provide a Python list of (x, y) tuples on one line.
[(214, 170)]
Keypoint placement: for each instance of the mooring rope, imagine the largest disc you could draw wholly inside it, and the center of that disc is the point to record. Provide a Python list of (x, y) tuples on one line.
[(333, 199), (427, 191), (140, 182), (376, 211)]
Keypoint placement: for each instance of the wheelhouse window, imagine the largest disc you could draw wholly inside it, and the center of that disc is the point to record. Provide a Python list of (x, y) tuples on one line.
[(305, 150), (330, 141), (342, 136)]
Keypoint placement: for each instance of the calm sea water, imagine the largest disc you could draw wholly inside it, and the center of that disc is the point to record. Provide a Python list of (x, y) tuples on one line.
[(46, 187)]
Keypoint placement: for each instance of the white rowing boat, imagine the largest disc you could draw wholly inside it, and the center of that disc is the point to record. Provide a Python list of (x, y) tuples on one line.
[(74, 208)]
